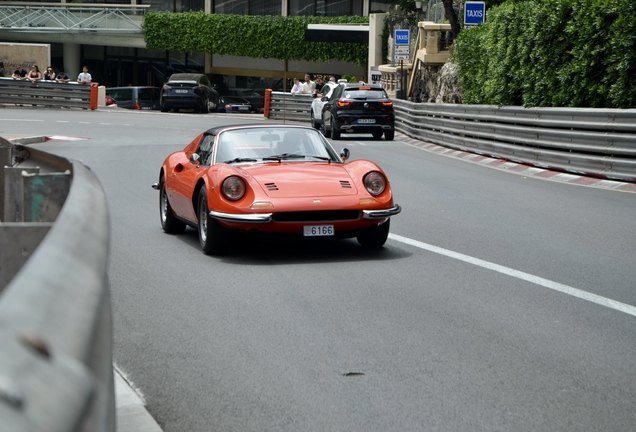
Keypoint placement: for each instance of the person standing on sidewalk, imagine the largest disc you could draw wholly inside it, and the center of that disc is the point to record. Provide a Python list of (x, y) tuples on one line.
[(84, 77)]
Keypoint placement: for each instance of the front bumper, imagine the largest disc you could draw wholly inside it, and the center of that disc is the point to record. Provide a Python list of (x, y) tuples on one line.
[(265, 218)]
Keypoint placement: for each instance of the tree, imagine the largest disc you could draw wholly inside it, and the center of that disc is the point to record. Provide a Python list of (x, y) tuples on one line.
[(451, 16)]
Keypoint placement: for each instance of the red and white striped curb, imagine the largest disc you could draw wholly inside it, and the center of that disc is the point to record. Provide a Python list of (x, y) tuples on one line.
[(520, 169), (64, 138)]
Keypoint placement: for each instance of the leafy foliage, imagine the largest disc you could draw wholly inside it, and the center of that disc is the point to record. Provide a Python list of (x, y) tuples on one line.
[(249, 35), (567, 53)]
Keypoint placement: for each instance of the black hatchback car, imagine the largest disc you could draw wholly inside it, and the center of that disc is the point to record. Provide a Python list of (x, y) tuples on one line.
[(358, 108), (189, 91)]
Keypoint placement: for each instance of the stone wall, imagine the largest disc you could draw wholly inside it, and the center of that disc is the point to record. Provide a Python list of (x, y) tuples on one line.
[(27, 55), (435, 84)]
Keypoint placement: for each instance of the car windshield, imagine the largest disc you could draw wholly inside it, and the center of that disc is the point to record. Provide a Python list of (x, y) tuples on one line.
[(273, 144)]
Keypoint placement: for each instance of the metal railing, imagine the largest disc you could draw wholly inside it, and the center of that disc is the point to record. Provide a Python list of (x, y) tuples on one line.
[(284, 106), (72, 17), (56, 371), (48, 93), (594, 142)]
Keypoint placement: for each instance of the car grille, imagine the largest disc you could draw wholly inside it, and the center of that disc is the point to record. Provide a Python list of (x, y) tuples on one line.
[(317, 216)]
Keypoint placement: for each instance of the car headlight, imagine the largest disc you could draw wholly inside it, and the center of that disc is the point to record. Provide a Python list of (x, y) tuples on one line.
[(233, 188), (375, 183)]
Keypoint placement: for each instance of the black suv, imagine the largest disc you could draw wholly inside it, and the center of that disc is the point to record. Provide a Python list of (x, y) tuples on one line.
[(358, 108), (189, 91)]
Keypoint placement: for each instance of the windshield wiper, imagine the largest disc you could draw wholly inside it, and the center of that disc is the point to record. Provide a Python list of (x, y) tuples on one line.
[(320, 157), (284, 156), (239, 160)]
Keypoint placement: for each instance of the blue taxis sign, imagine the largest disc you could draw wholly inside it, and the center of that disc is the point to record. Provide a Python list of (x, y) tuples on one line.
[(402, 37), (474, 12)]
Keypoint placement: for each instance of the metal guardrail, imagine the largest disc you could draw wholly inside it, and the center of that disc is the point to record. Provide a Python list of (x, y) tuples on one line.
[(594, 142), (285, 106), (48, 93), (56, 371)]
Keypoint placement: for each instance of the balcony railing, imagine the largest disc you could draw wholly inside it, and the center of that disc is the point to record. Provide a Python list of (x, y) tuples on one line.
[(72, 17)]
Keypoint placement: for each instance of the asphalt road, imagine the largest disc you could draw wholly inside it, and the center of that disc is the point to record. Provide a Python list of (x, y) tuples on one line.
[(500, 302)]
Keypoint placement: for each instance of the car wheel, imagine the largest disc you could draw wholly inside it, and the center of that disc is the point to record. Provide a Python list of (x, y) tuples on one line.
[(335, 133), (375, 237), (206, 107), (389, 135), (377, 135), (164, 109), (213, 106), (314, 123), (169, 222), (323, 129), (213, 238)]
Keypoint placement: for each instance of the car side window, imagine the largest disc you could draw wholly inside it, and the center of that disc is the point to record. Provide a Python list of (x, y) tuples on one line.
[(336, 93), (205, 81), (205, 149)]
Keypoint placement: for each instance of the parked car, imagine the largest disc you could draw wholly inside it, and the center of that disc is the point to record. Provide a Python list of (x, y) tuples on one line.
[(230, 104), (189, 91), (271, 180), (255, 98), (358, 108), (138, 98), (319, 102)]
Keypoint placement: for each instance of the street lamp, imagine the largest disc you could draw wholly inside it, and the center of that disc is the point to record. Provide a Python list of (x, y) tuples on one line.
[(418, 4)]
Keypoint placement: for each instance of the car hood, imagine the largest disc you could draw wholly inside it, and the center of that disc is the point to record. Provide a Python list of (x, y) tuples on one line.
[(302, 179)]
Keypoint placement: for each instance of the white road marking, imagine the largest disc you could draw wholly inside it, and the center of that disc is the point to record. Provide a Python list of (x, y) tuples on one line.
[(62, 121), (565, 289), (19, 120)]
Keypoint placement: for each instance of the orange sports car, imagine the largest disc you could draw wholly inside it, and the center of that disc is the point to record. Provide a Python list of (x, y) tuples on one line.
[(272, 180)]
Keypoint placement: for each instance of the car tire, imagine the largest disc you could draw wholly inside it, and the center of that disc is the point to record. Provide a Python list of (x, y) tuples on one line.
[(323, 129), (206, 107), (169, 222), (213, 238), (377, 135), (335, 133), (389, 135), (164, 109), (375, 237), (213, 105)]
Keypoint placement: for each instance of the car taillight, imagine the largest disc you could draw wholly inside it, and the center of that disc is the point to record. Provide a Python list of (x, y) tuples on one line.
[(375, 183), (228, 106), (167, 87), (344, 104), (386, 103), (198, 90), (137, 106), (233, 188)]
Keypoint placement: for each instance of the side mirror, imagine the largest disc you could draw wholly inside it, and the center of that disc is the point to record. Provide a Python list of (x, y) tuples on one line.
[(325, 98), (344, 154), (194, 158)]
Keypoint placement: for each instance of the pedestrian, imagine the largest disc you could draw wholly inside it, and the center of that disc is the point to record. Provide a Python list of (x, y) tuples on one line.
[(19, 73), (297, 88), (308, 85), (49, 74), (319, 86), (2, 73), (63, 77), (84, 77), (35, 74), (332, 79)]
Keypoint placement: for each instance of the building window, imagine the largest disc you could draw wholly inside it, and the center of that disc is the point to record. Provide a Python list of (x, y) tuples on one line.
[(248, 7), (174, 5), (325, 7)]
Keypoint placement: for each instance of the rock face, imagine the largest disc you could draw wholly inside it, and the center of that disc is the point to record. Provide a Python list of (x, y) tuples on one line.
[(435, 84)]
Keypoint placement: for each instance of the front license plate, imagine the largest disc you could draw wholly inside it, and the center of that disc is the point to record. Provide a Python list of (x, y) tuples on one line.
[(317, 230), (366, 121), (180, 91)]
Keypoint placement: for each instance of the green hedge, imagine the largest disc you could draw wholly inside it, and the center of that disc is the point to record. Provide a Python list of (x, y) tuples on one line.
[(248, 35), (562, 53)]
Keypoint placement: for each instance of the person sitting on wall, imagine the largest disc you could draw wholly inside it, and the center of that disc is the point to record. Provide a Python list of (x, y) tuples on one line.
[(19, 73), (63, 77), (49, 74), (319, 86), (308, 85)]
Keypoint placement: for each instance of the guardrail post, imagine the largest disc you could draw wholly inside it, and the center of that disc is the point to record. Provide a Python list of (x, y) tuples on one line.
[(268, 95), (94, 95), (14, 193)]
